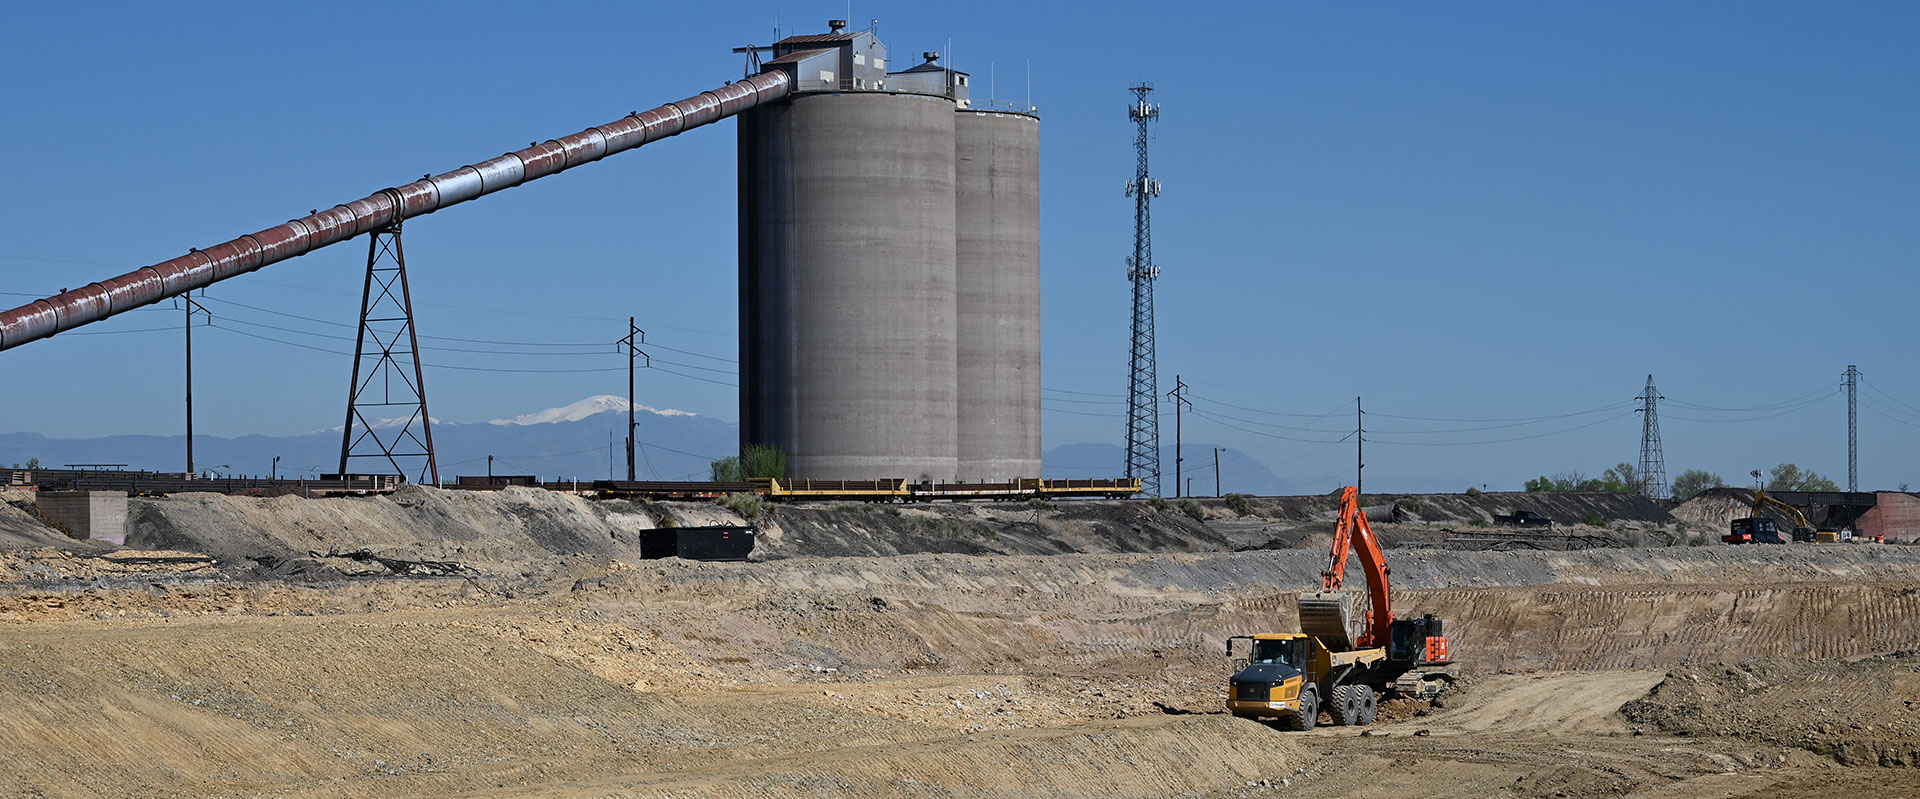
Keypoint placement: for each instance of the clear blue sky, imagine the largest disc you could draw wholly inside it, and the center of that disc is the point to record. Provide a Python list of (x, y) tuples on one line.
[(1460, 211)]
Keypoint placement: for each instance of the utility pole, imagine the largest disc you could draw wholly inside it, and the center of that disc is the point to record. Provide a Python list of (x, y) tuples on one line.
[(635, 337), (1653, 462), (1143, 412), (489, 470), (1179, 396), (191, 308), (1359, 447), (1216, 471), (1853, 428), (274, 472)]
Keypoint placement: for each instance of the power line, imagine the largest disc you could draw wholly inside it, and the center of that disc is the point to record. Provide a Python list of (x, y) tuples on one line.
[(1087, 402), (1795, 409), (1877, 411), (1219, 421), (473, 368), (1079, 413), (1774, 406), (1503, 440), (1121, 397), (1895, 400), (496, 342), (1549, 418), (1273, 413)]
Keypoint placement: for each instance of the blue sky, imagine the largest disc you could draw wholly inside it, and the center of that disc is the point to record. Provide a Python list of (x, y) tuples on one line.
[(1488, 211)]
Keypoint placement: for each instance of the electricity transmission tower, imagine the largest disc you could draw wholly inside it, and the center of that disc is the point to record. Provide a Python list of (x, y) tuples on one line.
[(1653, 463), (1853, 428), (1143, 414)]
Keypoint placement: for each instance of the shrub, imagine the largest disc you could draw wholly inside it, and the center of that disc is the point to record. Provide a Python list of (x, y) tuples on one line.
[(1159, 503), (1473, 492), (1410, 504), (754, 460), (1239, 504), (748, 506), (1193, 509), (1592, 519)]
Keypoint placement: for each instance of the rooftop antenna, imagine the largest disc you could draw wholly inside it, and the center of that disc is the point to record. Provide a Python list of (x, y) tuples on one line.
[(1030, 87)]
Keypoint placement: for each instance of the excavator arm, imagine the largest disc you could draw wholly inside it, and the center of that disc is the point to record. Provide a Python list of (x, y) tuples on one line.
[(1352, 528), (1761, 499)]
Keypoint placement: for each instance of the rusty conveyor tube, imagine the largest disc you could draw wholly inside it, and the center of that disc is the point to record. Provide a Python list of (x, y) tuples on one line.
[(204, 267)]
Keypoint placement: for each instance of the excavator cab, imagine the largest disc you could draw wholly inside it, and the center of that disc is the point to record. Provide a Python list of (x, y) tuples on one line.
[(1417, 642)]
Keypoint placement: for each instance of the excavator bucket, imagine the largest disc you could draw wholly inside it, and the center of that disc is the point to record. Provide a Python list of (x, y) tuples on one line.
[(1328, 616)]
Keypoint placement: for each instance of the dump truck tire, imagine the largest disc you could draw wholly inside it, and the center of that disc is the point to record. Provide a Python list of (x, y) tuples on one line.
[(1344, 704), (1309, 714)]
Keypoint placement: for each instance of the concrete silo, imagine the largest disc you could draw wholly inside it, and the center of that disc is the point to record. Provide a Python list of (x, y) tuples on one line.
[(847, 269), (889, 271), (997, 169)]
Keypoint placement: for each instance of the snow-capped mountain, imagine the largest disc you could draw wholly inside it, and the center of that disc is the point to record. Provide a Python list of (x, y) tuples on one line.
[(591, 406), (583, 440)]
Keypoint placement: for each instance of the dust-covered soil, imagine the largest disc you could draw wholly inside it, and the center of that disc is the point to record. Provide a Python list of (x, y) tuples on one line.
[(556, 663)]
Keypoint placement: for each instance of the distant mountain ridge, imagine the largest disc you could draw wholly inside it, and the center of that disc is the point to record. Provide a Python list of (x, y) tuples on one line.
[(584, 440)]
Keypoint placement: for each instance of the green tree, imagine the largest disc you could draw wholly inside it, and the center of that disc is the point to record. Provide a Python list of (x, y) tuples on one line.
[(1790, 477), (754, 461), (1622, 477), (1693, 481)]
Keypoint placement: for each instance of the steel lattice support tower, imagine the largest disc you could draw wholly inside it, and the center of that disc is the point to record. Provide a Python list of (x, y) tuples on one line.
[(386, 370), (1143, 413), (1853, 428), (1653, 463)]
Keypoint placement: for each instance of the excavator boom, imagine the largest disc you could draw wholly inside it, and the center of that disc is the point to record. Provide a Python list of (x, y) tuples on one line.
[(1325, 614)]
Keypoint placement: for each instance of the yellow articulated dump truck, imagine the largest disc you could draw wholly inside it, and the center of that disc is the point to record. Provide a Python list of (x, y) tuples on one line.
[(1291, 678)]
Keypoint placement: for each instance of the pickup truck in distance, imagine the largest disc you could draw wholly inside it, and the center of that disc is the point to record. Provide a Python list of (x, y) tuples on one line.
[(1523, 518)]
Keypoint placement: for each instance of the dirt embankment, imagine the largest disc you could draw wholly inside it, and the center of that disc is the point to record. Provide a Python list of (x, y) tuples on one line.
[(506, 529), (1567, 508), (1862, 712), (515, 527)]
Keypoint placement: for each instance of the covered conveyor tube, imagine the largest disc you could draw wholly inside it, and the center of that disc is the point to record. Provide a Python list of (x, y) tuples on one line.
[(203, 267)]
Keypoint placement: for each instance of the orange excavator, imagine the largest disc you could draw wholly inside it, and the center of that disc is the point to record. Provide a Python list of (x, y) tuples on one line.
[(1332, 664)]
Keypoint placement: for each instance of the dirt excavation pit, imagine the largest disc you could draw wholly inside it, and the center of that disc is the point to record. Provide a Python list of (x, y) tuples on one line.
[(559, 663)]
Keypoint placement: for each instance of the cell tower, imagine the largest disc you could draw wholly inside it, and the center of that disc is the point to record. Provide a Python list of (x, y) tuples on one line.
[(1653, 463), (1853, 428), (1143, 414)]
